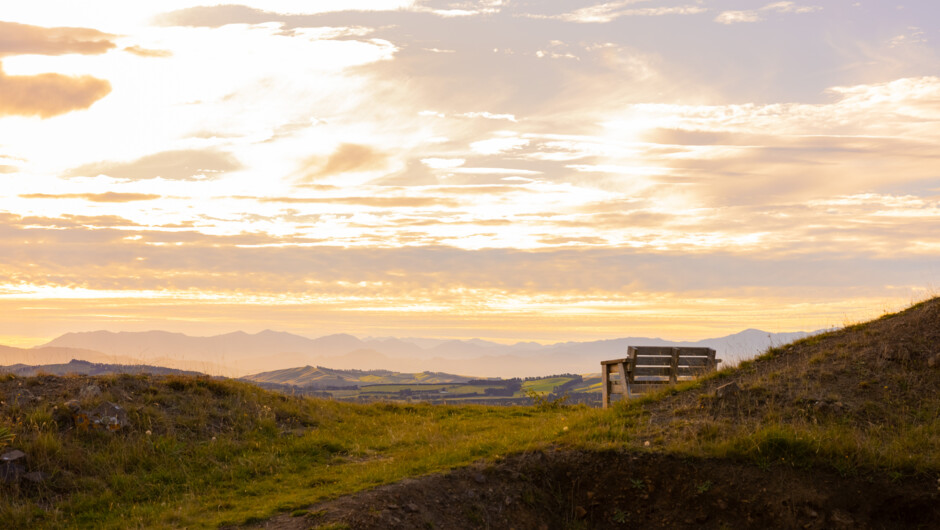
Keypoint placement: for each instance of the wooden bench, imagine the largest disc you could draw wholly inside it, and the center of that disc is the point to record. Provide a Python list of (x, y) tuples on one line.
[(650, 367)]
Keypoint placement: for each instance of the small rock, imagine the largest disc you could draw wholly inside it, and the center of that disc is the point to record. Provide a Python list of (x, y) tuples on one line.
[(934, 361), (479, 478), (392, 506), (106, 416), (727, 390), (36, 477), (841, 518), (508, 501), (90, 391), (411, 507), (10, 456), (73, 405), (109, 416), (22, 397)]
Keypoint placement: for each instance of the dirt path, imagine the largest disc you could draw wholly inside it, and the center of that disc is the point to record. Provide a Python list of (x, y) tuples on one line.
[(574, 489)]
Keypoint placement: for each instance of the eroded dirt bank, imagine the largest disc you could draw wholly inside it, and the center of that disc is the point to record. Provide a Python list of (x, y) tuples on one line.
[(576, 489)]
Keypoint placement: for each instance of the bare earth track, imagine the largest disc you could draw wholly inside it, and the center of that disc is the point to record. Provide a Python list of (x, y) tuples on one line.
[(575, 489)]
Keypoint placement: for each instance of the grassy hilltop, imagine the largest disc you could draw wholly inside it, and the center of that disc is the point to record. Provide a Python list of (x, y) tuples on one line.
[(840, 429)]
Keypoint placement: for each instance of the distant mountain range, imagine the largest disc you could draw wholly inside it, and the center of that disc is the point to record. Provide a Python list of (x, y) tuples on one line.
[(237, 354)]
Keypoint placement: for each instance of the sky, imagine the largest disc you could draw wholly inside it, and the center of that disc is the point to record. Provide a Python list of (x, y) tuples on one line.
[(504, 169)]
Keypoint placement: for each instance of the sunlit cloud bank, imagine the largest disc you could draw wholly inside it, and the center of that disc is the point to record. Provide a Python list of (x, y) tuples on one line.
[(499, 169)]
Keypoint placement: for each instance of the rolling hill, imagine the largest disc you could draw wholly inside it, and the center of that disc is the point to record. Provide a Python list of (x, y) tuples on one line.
[(320, 377)]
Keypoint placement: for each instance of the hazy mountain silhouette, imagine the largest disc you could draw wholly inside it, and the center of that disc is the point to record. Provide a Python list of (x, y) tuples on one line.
[(241, 353)]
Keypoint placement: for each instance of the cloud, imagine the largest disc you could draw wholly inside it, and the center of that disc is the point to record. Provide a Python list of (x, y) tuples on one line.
[(790, 7), (187, 164), (67, 221), (256, 13), (915, 36), (488, 116), (214, 16), (380, 202), (443, 163), (96, 257), (736, 17), (348, 158), (610, 11), (20, 39), (6, 170), (48, 95), (109, 197), (498, 145), (144, 52)]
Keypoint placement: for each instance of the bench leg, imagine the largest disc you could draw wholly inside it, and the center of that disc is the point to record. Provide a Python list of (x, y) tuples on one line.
[(624, 382)]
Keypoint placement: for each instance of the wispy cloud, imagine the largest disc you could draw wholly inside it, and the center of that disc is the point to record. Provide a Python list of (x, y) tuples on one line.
[(378, 202), (347, 158), (736, 17), (48, 95), (145, 52), (108, 197), (914, 36), (790, 7), (188, 164), (18, 39), (607, 12)]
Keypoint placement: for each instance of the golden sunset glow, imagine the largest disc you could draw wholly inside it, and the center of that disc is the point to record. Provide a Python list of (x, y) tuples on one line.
[(499, 169)]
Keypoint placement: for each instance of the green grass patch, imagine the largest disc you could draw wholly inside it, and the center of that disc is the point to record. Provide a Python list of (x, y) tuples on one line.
[(212, 446)]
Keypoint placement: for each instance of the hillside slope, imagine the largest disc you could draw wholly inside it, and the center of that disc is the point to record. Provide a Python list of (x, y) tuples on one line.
[(840, 430), (864, 396)]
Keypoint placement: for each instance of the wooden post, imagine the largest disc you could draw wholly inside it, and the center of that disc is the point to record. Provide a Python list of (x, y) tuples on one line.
[(605, 384), (674, 371), (624, 382), (631, 354)]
